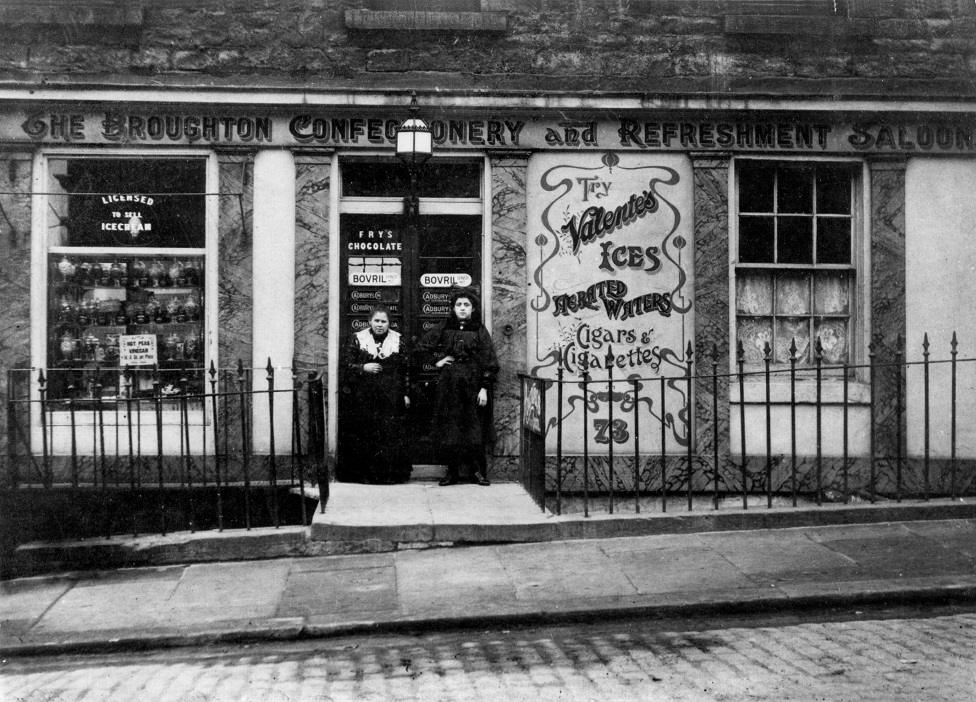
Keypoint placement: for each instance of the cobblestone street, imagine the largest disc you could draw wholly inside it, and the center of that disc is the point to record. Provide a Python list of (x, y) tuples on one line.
[(869, 659)]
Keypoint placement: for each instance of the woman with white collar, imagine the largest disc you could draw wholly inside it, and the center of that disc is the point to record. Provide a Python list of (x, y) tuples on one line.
[(374, 422)]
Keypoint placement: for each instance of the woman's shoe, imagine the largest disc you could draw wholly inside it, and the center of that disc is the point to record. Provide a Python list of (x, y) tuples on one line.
[(450, 478), (480, 479)]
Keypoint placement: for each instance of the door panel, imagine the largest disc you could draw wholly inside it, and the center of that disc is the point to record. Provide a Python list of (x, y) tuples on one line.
[(412, 267)]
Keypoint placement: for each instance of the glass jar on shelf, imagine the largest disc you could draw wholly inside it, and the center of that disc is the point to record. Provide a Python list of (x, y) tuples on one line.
[(175, 272), (139, 274), (154, 311), (90, 343), (86, 312), (117, 274), (137, 313), (68, 346), (67, 310), (83, 273), (157, 273), (174, 309), (191, 271), (102, 272), (171, 347), (67, 269), (192, 307)]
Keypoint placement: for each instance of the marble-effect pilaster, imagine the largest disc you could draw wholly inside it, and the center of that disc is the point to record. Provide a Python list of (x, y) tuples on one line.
[(711, 179), (887, 294), (312, 182), (509, 283), (234, 258), (15, 282)]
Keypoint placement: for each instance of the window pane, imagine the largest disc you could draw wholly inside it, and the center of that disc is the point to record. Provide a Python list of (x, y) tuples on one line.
[(392, 179), (99, 304), (795, 240), (756, 239), (795, 190), (833, 340), (756, 188), (831, 293), (792, 294), (119, 202), (833, 191), (754, 333), (833, 240), (754, 293), (790, 330)]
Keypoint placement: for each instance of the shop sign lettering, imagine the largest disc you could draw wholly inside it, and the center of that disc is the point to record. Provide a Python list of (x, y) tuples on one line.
[(137, 350), (374, 272), (812, 135), (445, 280), (610, 291)]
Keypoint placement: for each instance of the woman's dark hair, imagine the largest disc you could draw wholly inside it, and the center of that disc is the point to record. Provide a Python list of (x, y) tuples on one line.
[(379, 308), (475, 306)]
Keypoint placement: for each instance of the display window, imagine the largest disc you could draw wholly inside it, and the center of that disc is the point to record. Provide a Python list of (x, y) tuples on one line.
[(796, 272), (126, 280)]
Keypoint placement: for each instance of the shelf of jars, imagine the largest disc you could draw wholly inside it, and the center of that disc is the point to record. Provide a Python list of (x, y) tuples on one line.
[(97, 301)]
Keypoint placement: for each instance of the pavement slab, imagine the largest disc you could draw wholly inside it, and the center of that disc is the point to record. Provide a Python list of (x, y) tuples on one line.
[(503, 584)]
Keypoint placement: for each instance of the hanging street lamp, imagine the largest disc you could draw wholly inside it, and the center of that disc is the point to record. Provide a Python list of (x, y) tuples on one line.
[(414, 145)]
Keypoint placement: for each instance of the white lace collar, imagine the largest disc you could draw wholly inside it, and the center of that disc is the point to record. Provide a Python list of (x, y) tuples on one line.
[(390, 345)]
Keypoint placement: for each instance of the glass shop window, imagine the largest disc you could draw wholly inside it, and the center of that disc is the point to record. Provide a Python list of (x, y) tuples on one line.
[(126, 269), (442, 179), (796, 272)]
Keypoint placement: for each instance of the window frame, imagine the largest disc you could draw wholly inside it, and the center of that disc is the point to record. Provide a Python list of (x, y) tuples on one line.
[(42, 248), (859, 314)]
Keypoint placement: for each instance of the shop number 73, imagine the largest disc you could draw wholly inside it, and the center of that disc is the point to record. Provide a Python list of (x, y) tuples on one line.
[(605, 431)]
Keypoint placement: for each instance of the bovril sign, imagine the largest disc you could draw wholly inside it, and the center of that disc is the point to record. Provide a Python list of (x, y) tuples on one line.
[(445, 280)]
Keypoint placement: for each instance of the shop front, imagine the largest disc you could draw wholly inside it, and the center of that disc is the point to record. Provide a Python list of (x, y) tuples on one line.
[(149, 244)]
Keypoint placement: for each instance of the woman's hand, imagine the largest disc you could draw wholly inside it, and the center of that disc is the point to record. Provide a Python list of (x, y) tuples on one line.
[(446, 361), (482, 397), (372, 368)]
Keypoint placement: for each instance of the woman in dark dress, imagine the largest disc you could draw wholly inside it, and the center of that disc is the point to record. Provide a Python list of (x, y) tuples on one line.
[(375, 367), (462, 350)]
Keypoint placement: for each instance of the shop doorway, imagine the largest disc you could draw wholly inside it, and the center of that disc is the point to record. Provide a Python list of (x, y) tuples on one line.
[(410, 265)]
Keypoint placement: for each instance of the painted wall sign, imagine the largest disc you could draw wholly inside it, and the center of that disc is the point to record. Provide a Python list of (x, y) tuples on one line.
[(445, 280), (610, 264), (681, 133), (374, 272), (137, 350)]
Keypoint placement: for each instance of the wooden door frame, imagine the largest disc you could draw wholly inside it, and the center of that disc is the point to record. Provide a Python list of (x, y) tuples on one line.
[(393, 205)]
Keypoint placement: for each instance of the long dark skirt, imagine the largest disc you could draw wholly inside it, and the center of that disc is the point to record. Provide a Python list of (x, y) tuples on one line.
[(373, 439)]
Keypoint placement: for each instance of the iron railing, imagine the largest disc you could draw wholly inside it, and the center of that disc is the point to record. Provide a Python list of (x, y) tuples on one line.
[(200, 448), (737, 437)]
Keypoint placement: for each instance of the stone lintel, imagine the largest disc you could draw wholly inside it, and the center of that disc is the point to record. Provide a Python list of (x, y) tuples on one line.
[(369, 20)]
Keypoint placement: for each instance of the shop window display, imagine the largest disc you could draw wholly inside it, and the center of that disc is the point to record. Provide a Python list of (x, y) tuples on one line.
[(795, 273), (126, 274)]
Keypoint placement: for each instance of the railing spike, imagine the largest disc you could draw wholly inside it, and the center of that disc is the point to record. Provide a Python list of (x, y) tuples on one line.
[(213, 370)]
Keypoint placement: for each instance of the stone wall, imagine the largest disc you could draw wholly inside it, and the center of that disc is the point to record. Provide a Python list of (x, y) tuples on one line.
[(636, 46)]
